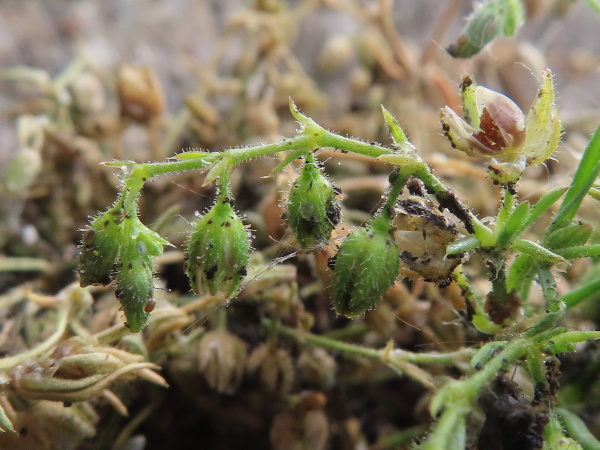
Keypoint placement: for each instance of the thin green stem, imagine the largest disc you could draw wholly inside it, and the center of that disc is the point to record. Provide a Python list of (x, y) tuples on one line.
[(556, 307), (398, 179), (448, 200), (474, 303), (393, 355), (309, 139)]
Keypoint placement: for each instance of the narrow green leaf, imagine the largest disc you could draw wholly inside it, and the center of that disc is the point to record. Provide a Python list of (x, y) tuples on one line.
[(514, 225), (463, 245), (504, 212), (394, 127), (219, 169), (572, 235), (577, 429), (520, 275), (305, 121), (579, 251), (538, 252), (290, 157), (587, 291), (190, 155), (126, 163), (486, 352), (587, 172), (543, 204)]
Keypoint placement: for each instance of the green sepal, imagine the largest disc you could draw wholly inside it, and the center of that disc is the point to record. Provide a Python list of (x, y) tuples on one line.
[(312, 210), (100, 248), (365, 268), (148, 241), (135, 283), (218, 251)]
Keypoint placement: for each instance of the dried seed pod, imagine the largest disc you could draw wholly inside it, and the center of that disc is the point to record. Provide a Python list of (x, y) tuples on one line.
[(422, 234), (316, 368), (302, 425), (100, 249), (274, 368), (312, 210), (365, 268), (218, 251), (140, 93), (135, 283), (221, 359)]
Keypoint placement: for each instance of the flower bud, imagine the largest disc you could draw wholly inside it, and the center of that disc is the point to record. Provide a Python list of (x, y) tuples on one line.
[(312, 211), (100, 248), (365, 268), (218, 251), (422, 234), (135, 283), (222, 358)]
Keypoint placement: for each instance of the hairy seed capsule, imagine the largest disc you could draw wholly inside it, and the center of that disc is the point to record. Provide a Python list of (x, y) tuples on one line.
[(135, 284), (312, 211), (99, 249), (365, 268), (218, 251)]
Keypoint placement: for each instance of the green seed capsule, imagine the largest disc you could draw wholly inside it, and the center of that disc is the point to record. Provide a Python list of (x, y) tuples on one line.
[(312, 211), (218, 251), (365, 268), (135, 283), (100, 248)]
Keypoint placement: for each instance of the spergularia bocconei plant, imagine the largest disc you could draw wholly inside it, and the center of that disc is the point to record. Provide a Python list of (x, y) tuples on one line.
[(417, 236), (117, 246)]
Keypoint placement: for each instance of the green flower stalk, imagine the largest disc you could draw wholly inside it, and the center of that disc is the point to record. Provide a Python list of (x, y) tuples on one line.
[(312, 211), (218, 251), (365, 267)]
